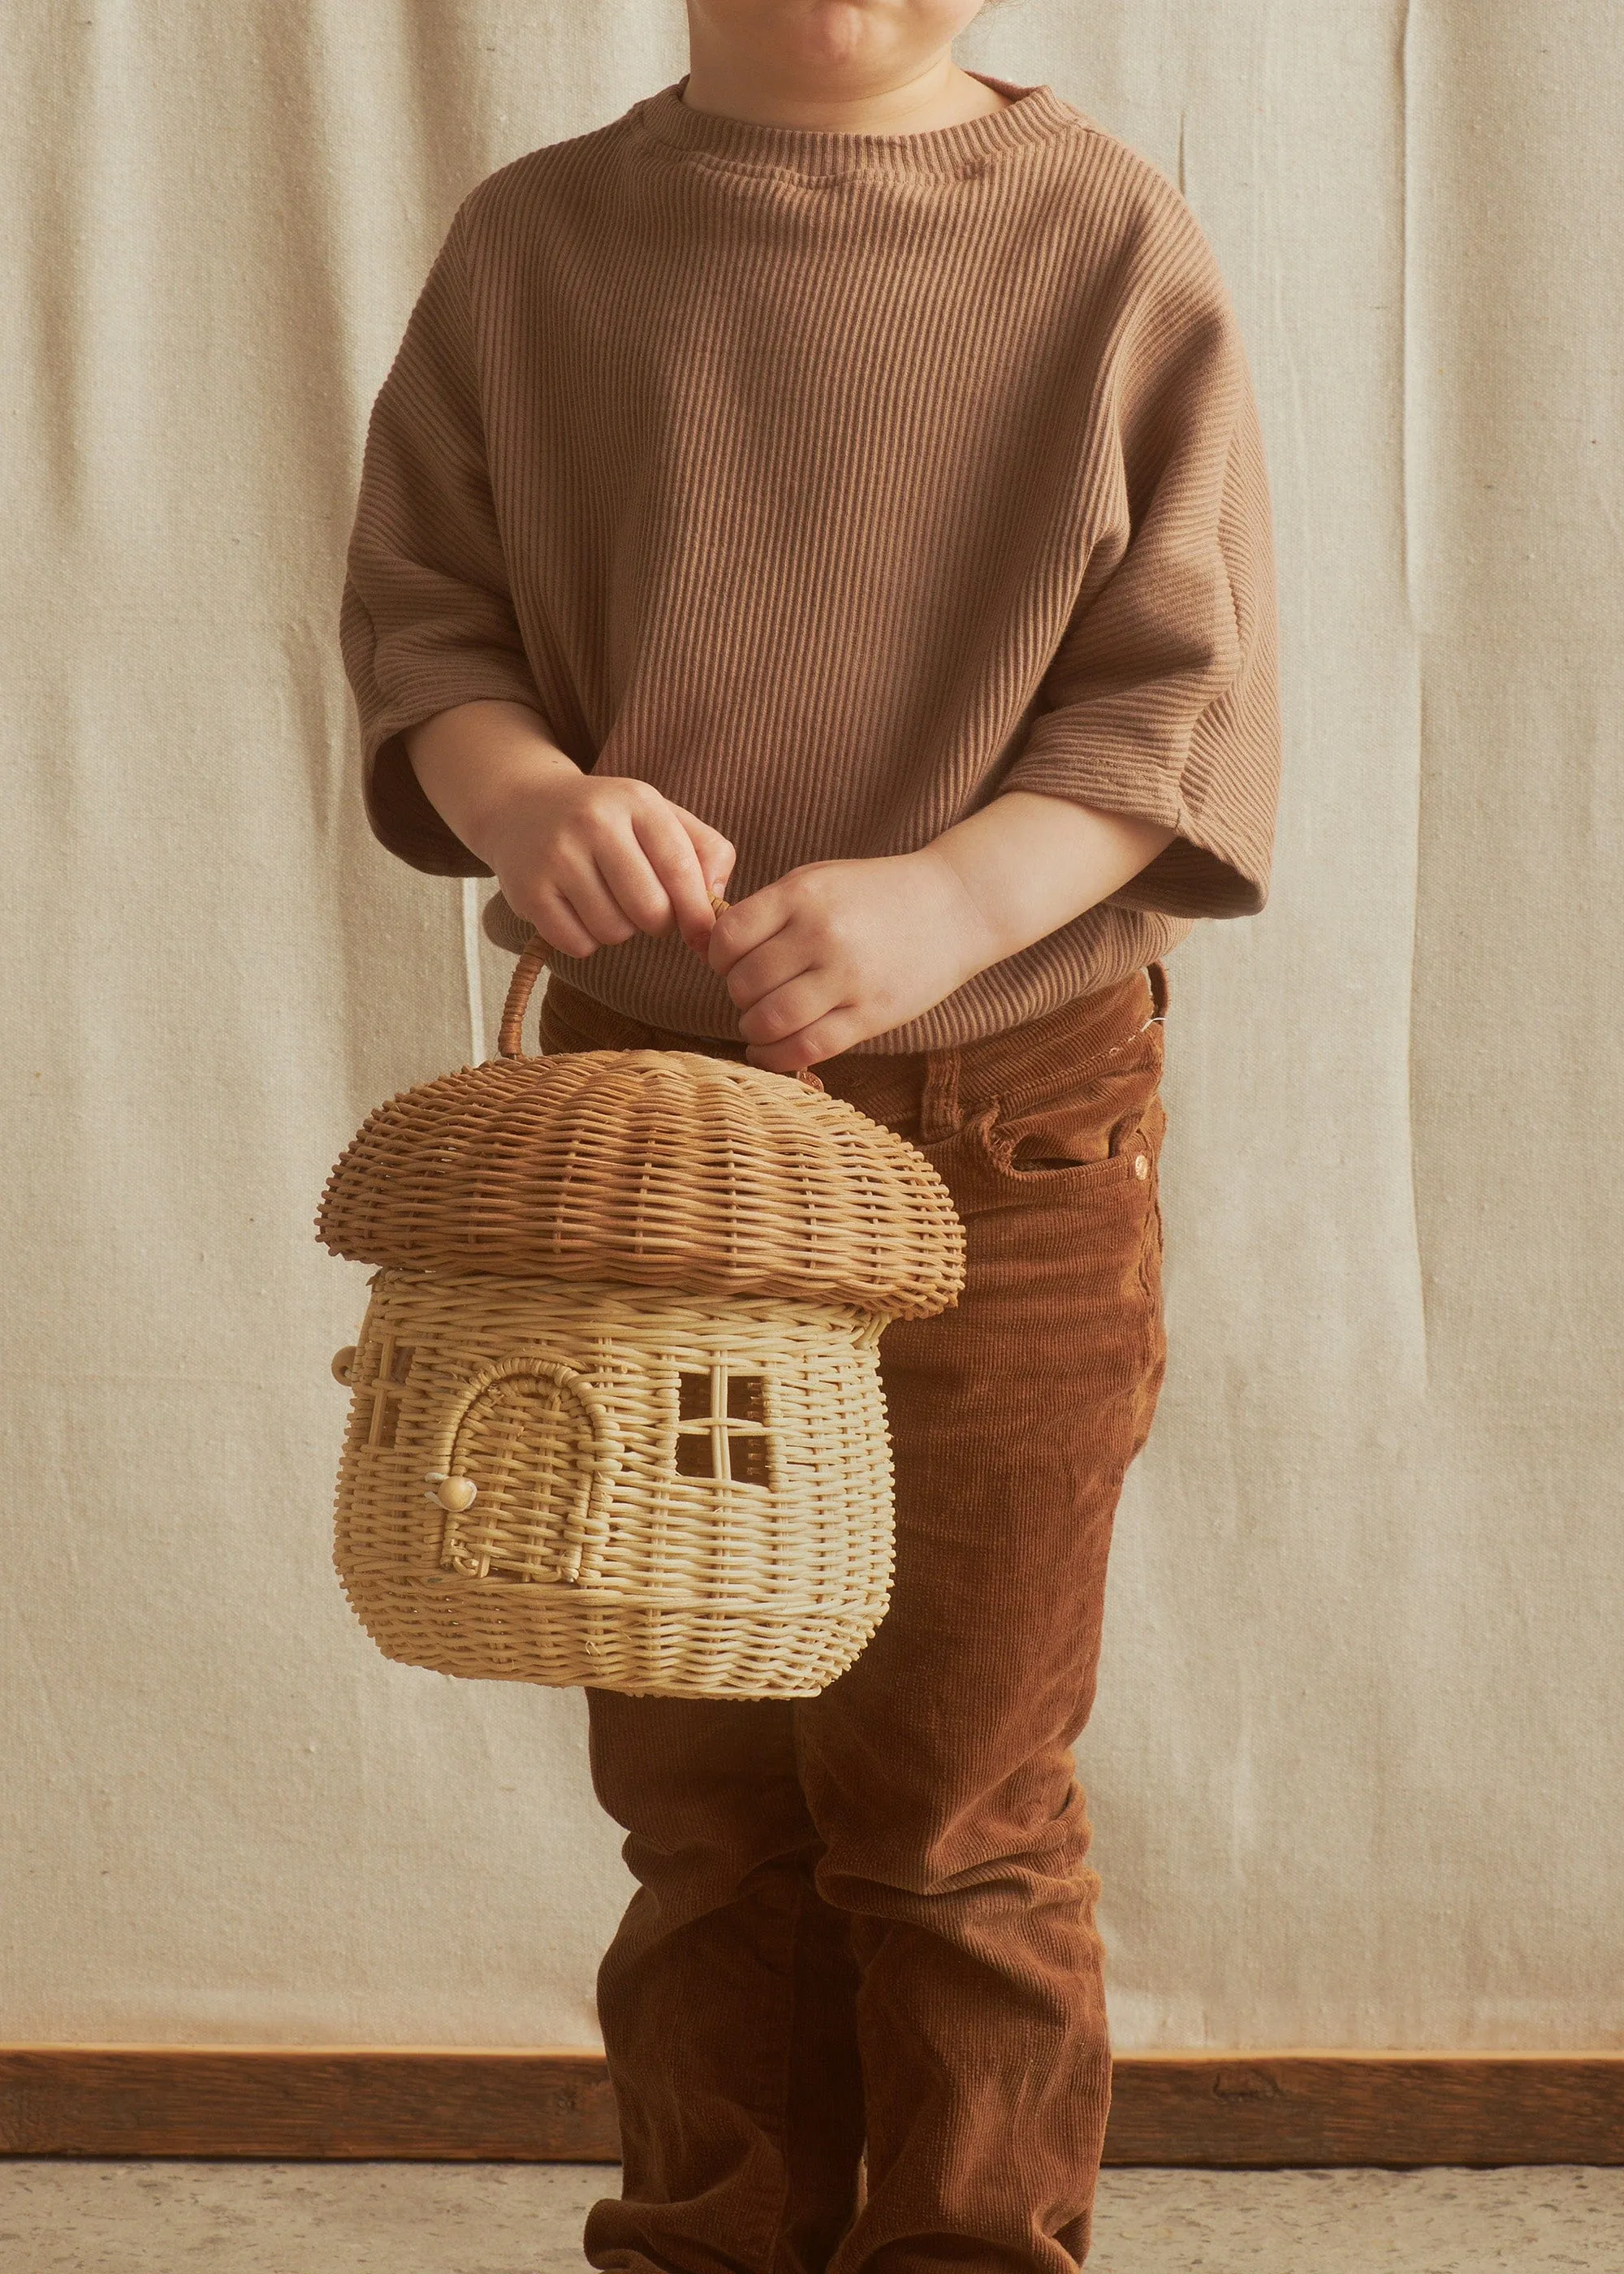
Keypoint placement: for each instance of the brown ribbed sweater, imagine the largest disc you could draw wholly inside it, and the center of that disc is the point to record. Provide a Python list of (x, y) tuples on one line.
[(836, 483)]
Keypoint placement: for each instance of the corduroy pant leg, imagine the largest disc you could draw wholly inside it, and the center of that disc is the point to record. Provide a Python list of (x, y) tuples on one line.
[(938, 1770), (727, 2000)]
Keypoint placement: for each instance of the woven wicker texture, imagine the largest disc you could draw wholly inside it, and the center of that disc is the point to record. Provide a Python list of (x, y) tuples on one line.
[(656, 1168), (587, 1554), (616, 1414)]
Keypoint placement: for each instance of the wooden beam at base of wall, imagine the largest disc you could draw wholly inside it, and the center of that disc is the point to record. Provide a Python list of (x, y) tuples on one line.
[(1244, 2109)]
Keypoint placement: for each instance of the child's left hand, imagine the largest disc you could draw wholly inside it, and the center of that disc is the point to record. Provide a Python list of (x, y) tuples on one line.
[(838, 950)]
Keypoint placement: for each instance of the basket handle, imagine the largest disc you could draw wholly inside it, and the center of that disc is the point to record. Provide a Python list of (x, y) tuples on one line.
[(532, 962)]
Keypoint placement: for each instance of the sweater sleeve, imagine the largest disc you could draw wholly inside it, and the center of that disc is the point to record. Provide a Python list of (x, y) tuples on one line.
[(427, 618), (1162, 700)]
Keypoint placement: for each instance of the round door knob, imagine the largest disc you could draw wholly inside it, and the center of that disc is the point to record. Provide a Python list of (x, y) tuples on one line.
[(342, 1362), (456, 1495)]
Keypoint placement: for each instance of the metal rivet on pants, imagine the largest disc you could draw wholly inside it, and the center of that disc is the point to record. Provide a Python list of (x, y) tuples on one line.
[(1141, 1165)]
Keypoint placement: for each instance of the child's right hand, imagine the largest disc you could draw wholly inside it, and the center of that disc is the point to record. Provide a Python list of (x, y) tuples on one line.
[(590, 862), (588, 859)]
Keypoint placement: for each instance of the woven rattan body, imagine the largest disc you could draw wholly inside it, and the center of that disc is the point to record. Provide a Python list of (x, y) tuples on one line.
[(588, 1556), (616, 1414)]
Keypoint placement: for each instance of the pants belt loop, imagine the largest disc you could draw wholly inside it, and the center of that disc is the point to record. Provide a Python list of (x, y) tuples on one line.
[(1156, 973), (939, 1113)]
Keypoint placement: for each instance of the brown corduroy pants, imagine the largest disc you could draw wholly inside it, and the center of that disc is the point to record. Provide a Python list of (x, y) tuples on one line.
[(854, 2014)]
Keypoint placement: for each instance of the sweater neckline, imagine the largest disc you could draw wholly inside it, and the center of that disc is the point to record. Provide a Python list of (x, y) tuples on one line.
[(1030, 114)]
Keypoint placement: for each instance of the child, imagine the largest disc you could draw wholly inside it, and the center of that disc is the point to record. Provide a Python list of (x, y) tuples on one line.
[(837, 482)]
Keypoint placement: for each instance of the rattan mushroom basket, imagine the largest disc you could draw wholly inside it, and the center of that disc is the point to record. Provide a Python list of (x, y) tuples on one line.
[(616, 1415)]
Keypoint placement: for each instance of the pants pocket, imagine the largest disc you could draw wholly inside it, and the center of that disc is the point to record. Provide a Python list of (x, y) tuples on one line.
[(1104, 1128)]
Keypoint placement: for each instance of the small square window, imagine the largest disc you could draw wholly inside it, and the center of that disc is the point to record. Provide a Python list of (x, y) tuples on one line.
[(722, 1426), (394, 1365)]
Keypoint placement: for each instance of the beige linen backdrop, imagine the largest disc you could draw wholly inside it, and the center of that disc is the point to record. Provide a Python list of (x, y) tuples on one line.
[(1356, 1767)]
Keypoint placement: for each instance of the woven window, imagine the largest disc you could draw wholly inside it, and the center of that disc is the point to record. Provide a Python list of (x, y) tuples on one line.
[(722, 1426), (387, 1384)]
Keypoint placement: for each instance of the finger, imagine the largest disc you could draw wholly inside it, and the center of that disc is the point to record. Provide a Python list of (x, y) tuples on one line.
[(745, 925), (631, 878), (824, 1038), (557, 922), (785, 1012), (715, 853), (674, 861), (593, 904), (786, 956)]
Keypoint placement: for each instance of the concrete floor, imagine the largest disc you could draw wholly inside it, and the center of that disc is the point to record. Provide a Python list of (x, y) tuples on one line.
[(71, 2217)]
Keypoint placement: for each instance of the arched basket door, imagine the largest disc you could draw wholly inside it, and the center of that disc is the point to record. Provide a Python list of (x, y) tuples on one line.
[(530, 1462)]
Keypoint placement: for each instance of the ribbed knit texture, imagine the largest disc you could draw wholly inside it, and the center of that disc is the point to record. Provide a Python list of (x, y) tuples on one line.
[(834, 484)]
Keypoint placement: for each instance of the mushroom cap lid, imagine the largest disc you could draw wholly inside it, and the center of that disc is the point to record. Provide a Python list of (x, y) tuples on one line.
[(656, 1168)]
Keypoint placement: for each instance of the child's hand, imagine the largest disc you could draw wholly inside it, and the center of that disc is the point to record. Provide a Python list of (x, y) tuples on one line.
[(838, 950), (591, 861), (588, 859)]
